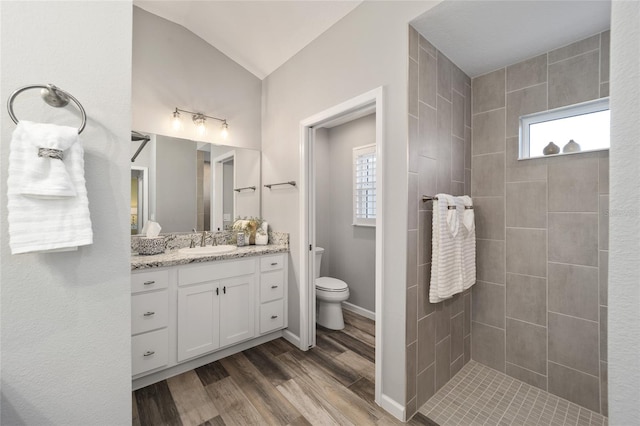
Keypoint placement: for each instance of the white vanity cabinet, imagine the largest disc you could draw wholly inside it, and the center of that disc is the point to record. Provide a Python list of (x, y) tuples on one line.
[(218, 312), (211, 310), (149, 321), (272, 283)]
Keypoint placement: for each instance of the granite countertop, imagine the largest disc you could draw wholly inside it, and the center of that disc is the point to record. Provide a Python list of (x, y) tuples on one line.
[(173, 257)]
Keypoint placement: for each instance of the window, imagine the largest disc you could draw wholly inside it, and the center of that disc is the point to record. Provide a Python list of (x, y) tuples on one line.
[(587, 124), (364, 185)]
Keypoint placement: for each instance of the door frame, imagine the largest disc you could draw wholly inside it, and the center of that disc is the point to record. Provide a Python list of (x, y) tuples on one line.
[(145, 195), (373, 99), (217, 189)]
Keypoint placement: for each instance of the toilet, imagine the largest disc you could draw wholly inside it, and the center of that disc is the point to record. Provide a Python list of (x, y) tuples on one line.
[(330, 293)]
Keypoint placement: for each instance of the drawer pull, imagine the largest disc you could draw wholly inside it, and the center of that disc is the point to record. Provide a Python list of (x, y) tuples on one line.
[(149, 282), (274, 286), (274, 263), (148, 353), (274, 316), (148, 314)]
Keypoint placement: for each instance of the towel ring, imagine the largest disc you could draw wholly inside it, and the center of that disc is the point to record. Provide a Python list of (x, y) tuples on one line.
[(53, 96)]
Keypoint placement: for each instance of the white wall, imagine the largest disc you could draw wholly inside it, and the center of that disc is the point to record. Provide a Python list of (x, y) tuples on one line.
[(65, 317), (368, 48), (350, 250), (247, 173), (172, 67), (624, 227), (323, 195), (227, 191)]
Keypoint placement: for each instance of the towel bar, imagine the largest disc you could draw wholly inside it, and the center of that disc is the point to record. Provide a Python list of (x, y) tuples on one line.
[(426, 198), (53, 96), (252, 188), (291, 182)]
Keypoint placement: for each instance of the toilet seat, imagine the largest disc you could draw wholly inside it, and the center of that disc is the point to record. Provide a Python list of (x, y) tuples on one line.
[(331, 285)]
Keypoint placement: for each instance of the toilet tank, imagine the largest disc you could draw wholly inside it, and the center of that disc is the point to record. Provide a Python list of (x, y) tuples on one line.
[(319, 251)]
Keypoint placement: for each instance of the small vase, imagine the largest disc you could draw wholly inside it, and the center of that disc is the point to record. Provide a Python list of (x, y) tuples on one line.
[(571, 146), (551, 149)]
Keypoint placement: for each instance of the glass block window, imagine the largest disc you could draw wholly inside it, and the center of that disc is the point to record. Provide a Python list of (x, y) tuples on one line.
[(364, 185), (586, 124)]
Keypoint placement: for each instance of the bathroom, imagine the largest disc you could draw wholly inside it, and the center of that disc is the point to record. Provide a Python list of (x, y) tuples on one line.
[(69, 305), (348, 241)]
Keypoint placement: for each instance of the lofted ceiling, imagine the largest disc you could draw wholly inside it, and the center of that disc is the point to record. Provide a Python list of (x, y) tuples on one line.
[(259, 35), (477, 35), (482, 36)]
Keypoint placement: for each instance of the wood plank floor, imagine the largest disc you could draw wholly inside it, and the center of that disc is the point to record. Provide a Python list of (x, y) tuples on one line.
[(277, 384)]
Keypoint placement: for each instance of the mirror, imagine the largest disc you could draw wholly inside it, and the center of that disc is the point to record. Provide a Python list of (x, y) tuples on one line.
[(183, 184)]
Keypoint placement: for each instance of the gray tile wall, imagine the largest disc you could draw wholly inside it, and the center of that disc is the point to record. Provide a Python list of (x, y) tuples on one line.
[(540, 303), (438, 336)]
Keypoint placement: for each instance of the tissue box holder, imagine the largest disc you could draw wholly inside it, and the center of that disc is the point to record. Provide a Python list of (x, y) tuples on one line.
[(154, 245)]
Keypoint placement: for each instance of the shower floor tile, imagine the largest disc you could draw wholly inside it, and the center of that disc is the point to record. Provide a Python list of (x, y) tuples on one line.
[(479, 395)]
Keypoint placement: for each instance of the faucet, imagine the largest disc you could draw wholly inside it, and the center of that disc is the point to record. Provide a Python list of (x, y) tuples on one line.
[(192, 243)]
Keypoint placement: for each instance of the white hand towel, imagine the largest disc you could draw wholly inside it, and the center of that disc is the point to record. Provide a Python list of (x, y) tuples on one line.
[(468, 245), (446, 275), (44, 175), (47, 197), (453, 217), (468, 218)]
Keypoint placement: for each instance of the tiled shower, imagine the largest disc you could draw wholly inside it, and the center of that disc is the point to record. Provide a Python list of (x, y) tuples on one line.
[(438, 335), (538, 310)]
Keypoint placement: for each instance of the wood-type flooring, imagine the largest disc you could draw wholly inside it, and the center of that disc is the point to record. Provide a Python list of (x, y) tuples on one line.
[(277, 384)]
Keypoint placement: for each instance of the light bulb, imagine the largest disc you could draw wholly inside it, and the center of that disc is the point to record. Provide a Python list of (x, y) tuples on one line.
[(225, 130), (199, 121), (176, 120)]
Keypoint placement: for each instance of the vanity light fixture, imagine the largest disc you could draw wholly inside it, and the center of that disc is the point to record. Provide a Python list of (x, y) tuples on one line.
[(199, 120), (176, 120), (225, 129)]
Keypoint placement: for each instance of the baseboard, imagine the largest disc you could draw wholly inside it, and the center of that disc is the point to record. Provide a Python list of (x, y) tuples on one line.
[(293, 339), (360, 311), (394, 408)]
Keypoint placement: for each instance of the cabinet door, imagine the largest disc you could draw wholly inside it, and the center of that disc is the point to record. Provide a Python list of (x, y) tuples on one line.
[(198, 326), (237, 309)]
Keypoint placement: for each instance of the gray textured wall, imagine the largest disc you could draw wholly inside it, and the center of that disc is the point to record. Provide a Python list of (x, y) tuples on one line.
[(624, 303), (66, 317)]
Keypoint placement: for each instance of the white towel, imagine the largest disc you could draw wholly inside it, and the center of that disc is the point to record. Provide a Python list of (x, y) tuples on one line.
[(446, 274), (468, 218), (47, 197), (453, 217), (468, 244)]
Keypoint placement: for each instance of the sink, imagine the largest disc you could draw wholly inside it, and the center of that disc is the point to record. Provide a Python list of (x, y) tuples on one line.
[(207, 250)]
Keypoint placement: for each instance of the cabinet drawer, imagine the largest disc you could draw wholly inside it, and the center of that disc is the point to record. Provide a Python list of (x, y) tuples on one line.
[(271, 286), (149, 311), (195, 274), (149, 351), (271, 263), (271, 316), (153, 280)]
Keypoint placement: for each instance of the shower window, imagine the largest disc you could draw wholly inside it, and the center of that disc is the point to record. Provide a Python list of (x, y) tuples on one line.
[(551, 132), (364, 185)]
